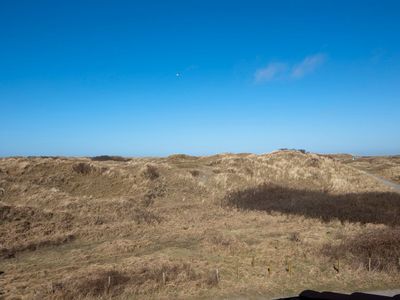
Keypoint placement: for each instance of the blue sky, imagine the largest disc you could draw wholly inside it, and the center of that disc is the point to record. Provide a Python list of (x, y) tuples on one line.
[(199, 77)]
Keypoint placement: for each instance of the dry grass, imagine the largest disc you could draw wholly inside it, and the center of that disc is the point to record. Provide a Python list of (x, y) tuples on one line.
[(376, 250), (27, 228), (385, 166), (81, 228), (141, 278)]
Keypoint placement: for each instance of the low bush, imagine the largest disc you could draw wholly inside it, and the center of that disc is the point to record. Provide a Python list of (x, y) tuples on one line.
[(109, 158), (145, 216), (194, 173), (150, 172), (82, 168)]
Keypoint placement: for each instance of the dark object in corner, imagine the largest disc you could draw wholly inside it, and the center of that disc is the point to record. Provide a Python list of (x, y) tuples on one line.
[(313, 295)]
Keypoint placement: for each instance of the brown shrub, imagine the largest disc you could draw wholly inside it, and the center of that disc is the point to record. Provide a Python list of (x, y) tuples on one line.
[(36, 244), (25, 228), (216, 237), (313, 162), (82, 168), (109, 158), (294, 237), (381, 246), (94, 284), (11, 213), (148, 199), (212, 278), (173, 272), (145, 216), (194, 173), (154, 191), (181, 157), (150, 172)]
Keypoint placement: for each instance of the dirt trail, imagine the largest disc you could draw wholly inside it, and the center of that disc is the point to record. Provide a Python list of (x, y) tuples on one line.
[(394, 186)]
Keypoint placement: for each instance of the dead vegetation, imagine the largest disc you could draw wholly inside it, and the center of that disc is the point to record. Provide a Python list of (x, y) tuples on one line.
[(28, 229), (387, 167), (376, 250), (83, 168), (150, 171), (137, 279), (109, 158), (183, 226), (145, 216)]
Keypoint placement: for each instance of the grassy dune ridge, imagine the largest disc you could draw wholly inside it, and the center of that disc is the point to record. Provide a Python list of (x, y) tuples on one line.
[(271, 224)]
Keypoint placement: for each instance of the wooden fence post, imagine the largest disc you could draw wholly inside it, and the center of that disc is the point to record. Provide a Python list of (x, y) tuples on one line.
[(108, 284), (337, 267), (289, 267)]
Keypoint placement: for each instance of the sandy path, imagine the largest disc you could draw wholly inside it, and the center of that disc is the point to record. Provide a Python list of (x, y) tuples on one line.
[(394, 186)]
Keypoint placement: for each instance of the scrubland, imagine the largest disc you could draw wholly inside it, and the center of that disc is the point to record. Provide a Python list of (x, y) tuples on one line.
[(224, 226)]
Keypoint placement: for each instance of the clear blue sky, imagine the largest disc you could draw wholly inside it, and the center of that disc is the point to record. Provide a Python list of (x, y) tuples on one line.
[(142, 78)]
